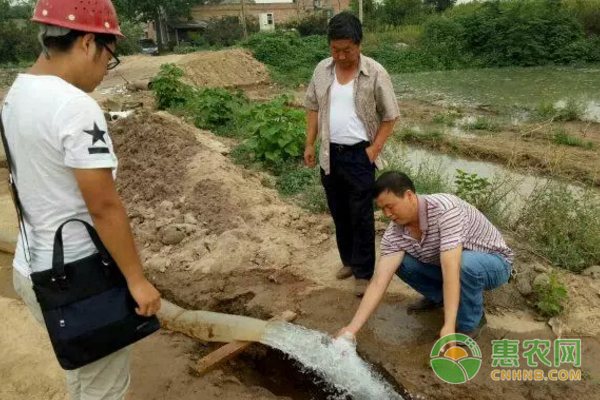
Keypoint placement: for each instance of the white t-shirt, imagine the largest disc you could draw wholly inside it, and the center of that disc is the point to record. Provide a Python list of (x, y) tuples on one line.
[(344, 125), (51, 128)]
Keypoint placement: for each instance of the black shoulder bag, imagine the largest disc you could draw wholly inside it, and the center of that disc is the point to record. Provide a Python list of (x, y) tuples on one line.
[(88, 310)]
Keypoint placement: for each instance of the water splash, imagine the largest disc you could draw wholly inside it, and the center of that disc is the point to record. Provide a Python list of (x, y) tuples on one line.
[(335, 361)]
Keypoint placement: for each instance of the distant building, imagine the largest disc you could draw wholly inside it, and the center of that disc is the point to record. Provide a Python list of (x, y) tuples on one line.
[(269, 14)]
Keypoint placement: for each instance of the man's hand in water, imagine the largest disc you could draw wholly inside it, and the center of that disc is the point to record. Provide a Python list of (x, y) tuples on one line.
[(346, 333)]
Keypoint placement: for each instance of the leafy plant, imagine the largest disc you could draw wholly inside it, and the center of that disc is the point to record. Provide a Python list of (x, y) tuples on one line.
[(472, 188), (276, 131), (551, 298), (169, 90), (215, 107)]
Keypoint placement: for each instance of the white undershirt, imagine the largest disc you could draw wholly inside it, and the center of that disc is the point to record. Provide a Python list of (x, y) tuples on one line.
[(344, 125)]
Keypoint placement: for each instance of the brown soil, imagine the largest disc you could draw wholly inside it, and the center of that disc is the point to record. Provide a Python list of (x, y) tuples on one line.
[(227, 68)]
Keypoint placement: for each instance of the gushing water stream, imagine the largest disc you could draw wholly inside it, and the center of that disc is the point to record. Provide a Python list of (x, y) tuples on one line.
[(335, 361)]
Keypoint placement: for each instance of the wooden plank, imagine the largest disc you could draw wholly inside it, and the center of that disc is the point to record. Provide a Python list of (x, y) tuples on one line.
[(233, 349)]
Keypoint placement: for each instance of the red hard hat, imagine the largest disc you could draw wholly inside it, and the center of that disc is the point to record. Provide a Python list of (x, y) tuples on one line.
[(94, 16)]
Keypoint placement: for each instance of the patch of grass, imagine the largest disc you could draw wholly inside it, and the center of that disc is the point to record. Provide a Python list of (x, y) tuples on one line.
[(571, 110), (294, 179), (551, 298), (449, 118), (413, 135), (302, 185), (484, 124), (427, 177), (565, 138), (408, 34), (242, 155), (561, 225)]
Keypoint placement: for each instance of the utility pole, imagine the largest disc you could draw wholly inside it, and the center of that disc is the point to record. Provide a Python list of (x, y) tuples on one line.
[(360, 10), (244, 27)]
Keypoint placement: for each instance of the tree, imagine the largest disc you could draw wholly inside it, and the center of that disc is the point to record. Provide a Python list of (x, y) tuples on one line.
[(440, 5), (147, 10)]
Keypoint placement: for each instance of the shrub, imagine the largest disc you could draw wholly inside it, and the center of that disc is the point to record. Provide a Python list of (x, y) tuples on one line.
[(524, 33), (276, 131), (292, 59), (226, 31), (130, 45), (187, 49), (314, 24), (472, 188), (587, 13)]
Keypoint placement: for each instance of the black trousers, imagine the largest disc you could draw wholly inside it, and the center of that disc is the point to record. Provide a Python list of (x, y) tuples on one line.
[(349, 189)]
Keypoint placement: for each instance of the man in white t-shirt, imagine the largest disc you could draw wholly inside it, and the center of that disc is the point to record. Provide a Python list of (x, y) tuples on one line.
[(64, 167), (351, 105)]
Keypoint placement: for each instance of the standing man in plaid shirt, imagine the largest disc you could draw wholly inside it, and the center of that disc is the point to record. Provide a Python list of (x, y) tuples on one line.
[(352, 107)]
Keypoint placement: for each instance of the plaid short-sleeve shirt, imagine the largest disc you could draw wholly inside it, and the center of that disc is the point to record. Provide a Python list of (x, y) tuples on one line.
[(374, 97), (446, 222)]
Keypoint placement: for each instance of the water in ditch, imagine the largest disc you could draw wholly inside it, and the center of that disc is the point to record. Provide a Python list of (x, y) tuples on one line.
[(334, 361)]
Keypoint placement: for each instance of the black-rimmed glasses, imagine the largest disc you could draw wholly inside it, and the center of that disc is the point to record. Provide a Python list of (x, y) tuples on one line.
[(114, 62)]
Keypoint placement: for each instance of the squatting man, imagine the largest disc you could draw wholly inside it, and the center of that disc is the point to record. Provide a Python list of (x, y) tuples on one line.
[(442, 247)]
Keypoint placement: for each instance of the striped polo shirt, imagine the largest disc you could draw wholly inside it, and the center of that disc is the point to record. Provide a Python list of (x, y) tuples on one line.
[(446, 222)]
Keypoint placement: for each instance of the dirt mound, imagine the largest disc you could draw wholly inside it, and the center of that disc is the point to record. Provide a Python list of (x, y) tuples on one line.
[(194, 210), (153, 155), (227, 68)]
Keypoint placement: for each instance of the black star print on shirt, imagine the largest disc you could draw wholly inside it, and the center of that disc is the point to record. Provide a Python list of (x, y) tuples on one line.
[(97, 134)]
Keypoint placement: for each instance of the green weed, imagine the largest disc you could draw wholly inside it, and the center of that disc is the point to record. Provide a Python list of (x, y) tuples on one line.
[(571, 111), (484, 124), (551, 298), (565, 138), (413, 135), (448, 118)]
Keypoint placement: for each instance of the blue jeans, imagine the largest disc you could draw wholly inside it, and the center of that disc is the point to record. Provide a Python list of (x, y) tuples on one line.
[(478, 272)]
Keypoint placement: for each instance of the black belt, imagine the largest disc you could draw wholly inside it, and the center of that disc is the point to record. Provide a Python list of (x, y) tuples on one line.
[(340, 148)]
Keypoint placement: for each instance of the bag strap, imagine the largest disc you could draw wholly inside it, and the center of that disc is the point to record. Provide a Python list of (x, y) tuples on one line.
[(15, 193), (58, 259)]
